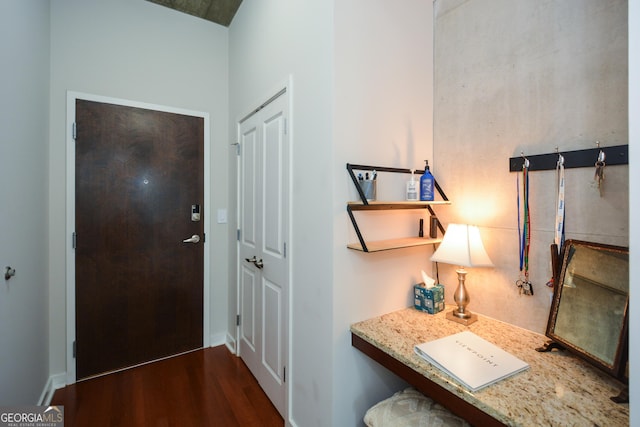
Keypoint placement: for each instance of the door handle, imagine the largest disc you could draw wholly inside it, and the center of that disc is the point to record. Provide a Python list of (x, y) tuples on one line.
[(193, 239), (257, 262)]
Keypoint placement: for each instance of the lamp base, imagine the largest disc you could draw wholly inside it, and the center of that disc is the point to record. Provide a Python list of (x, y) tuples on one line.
[(465, 318)]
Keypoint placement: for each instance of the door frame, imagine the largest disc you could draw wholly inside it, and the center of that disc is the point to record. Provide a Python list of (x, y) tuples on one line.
[(284, 89), (72, 96)]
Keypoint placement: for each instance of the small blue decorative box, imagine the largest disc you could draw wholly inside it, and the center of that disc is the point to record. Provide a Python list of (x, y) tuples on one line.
[(430, 300)]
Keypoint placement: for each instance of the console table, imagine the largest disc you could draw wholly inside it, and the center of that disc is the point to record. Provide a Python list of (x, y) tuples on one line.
[(557, 389)]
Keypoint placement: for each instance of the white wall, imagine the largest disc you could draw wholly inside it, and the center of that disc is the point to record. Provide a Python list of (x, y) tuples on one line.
[(634, 186), (382, 117), (378, 111), (24, 92), (143, 52), (559, 79), (268, 42)]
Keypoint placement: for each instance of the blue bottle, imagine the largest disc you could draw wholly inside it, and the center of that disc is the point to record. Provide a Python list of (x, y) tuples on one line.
[(426, 184)]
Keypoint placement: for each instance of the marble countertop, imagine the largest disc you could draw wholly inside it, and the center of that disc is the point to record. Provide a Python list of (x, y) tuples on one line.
[(558, 389)]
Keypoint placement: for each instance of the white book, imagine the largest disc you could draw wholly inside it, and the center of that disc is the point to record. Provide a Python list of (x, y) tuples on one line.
[(472, 360)]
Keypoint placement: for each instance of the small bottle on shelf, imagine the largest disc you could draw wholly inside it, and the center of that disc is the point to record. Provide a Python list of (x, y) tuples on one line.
[(412, 188), (426, 184)]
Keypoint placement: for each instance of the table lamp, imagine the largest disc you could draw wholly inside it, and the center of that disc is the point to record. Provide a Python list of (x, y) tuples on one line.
[(462, 246)]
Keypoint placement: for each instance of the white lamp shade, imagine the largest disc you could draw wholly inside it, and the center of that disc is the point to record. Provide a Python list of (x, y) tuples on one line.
[(462, 246)]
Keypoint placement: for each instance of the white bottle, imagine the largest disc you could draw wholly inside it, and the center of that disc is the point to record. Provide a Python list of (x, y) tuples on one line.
[(412, 188)]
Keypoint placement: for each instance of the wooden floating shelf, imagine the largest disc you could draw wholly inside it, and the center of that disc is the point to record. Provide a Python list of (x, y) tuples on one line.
[(384, 245), (376, 205)]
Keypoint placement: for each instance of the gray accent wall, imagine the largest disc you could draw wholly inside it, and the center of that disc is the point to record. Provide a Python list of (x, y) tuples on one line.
[(516, 76)]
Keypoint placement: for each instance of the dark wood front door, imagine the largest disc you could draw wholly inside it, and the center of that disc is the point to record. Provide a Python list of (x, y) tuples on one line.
[(139, 287)]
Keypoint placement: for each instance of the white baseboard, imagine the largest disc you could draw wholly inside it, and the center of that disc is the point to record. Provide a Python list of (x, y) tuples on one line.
[(217, 339), (53, 383), (231, 344)]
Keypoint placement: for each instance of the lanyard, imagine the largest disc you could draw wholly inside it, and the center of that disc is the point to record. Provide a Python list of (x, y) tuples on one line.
[(524, 231), (599, 176), (560, 216)]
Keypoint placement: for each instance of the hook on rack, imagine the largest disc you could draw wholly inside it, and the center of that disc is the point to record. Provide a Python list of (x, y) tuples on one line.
[(560, 158), (525, 164), (601, 154)]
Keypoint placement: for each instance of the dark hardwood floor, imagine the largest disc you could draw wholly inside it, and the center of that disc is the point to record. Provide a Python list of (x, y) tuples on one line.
[(209, 387)]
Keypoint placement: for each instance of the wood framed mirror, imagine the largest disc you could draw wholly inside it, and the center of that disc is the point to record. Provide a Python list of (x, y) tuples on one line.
[(590, 305)]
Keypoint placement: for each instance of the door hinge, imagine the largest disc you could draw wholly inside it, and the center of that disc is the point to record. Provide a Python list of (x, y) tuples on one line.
[(237, 320), (74, 131), (74, 240), (285, 249), (284, 374), (74, 349), (237, 144), (204, 237), (238, 234)]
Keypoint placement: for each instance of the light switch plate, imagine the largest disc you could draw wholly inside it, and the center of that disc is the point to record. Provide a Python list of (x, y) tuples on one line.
[(222, 216)]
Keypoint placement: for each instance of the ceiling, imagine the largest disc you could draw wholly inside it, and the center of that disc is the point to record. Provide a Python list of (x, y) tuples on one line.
[(218, 11)]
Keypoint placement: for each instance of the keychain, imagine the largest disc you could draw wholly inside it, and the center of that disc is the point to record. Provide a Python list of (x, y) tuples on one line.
[(524, 285), (598, 176)]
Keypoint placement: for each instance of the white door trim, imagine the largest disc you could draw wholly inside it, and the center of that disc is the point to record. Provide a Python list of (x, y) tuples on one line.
[(71, 219)]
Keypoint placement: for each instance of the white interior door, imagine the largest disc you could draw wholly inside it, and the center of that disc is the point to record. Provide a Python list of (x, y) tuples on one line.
[(264, 229)]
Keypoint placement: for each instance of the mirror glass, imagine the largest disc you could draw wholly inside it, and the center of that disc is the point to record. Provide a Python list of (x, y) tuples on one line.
[(589, 309)]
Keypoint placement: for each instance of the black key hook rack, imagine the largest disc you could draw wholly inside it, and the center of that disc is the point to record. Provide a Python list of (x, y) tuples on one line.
[(614, 155)]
